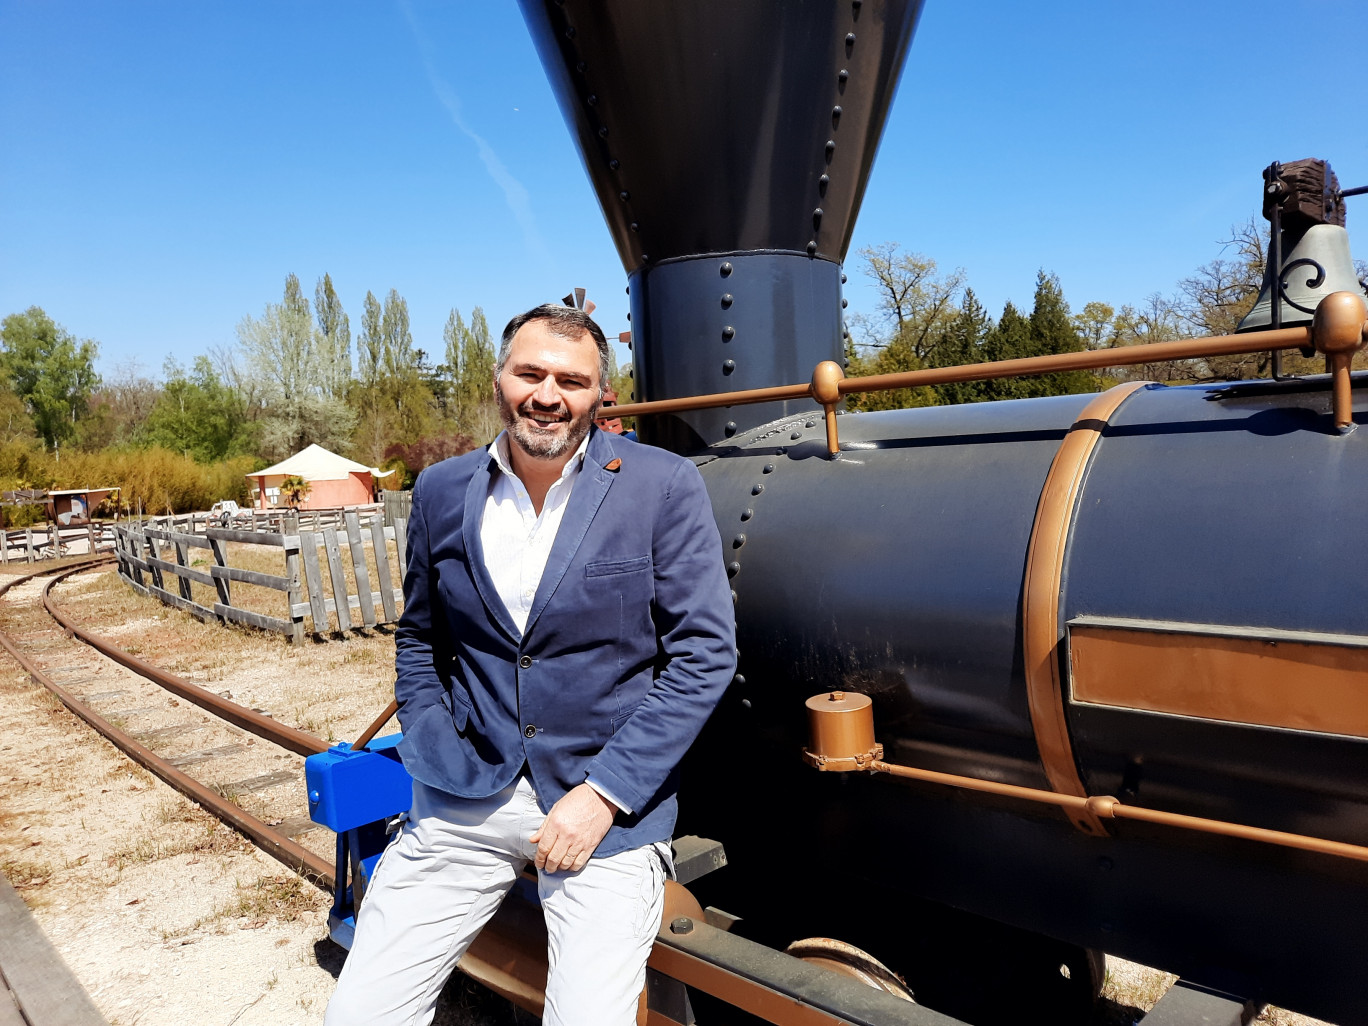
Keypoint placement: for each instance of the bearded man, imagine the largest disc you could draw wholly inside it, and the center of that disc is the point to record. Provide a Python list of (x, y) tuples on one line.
[(567, 630)]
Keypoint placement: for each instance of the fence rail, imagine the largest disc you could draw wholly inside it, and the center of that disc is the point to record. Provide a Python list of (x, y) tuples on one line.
[(149, 554)]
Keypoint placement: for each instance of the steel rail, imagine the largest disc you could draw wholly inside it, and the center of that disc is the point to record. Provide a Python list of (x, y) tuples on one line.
[(312, 867), (287, 737)]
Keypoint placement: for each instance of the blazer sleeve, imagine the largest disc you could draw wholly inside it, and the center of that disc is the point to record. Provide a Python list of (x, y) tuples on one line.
[(696, 630), (417, 685)]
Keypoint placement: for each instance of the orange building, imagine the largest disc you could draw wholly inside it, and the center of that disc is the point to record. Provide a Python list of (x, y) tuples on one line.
[(333, 480)]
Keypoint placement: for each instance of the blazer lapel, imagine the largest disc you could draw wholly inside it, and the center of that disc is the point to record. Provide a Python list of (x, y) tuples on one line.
[(473, 515), (590, 488)]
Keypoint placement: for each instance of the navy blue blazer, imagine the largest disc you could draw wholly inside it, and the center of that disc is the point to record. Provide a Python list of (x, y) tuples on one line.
[(630, 641)]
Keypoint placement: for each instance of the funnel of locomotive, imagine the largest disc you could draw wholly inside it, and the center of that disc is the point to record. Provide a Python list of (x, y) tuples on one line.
[(729, 145)]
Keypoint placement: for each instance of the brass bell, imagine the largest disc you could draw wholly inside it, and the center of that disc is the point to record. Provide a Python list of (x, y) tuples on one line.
[(1317, 265)]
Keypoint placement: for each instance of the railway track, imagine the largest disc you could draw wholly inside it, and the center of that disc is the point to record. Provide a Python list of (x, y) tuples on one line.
[(222, 761)]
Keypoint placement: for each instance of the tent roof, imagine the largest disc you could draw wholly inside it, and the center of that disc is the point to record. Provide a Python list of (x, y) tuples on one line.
[(316, 463)]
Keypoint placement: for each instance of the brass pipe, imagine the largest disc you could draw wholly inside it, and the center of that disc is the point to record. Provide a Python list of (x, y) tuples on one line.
[(1155, 352), (1107, 807), (1338, 330)]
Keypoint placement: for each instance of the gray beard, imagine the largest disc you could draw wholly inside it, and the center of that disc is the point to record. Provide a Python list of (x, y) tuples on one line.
[(536, 446)]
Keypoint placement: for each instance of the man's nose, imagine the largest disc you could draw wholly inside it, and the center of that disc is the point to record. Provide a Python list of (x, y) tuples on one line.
[(546, 392)]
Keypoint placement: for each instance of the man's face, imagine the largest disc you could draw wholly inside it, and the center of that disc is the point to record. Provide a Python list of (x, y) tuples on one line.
[(548, 391)]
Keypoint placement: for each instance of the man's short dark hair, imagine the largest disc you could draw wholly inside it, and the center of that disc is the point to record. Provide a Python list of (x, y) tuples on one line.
[(564, 322)]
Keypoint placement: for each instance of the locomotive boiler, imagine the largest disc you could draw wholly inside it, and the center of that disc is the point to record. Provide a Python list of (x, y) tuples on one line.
[(1157, 594)]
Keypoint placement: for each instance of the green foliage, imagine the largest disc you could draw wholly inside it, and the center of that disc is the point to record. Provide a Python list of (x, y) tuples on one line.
[(51, 372), (154, 479), (285, 362), (295, 489), (961, 342), (199, 416), (334, 340), (921, 327)]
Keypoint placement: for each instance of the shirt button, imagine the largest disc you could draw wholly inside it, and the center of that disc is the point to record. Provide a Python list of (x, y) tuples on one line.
[(529, 731), (525, 662)]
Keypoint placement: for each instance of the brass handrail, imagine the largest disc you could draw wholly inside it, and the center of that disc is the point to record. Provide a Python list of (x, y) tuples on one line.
[(1340, 329)]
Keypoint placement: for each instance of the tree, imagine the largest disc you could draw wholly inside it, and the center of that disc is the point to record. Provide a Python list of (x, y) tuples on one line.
[(200, 416), (961, 342), (295, 489), (1094, 324), (1158, 320), (1009, 339), (118, 411), (371, 344), (914, 300), (334, 340), (477, 360), (284, 360), (51, 371), (404, 390), (468, 373), (1052, 334)]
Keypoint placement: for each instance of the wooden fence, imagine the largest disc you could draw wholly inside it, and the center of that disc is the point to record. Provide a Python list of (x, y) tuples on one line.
[(280, 519), (142, 550), (29, 544)]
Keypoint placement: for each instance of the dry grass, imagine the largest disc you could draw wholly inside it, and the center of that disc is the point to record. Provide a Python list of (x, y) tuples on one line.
[(186, 830), (281, 897)]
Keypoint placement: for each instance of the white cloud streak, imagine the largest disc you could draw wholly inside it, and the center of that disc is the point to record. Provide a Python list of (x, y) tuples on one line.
[(515, 193)]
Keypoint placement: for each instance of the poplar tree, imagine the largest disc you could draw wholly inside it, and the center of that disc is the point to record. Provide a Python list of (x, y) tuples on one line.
[(371, 343), (477, 360), (334, 339)]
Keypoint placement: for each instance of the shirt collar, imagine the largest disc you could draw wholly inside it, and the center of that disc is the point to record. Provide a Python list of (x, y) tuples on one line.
[(498, 452)]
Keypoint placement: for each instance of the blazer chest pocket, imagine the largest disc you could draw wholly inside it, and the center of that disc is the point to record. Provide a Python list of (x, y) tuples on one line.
[(609, 567)]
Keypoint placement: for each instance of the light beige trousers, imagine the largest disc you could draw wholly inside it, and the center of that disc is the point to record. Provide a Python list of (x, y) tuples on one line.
[(443, 877)]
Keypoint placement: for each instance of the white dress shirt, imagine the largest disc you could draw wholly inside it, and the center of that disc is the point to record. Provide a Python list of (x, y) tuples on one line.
[(517, 541)]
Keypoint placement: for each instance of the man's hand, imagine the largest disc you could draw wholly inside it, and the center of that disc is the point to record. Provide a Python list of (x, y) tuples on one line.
[(573, 829)]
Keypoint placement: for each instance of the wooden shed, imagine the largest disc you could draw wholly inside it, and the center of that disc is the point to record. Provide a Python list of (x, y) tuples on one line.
[(333, 480)]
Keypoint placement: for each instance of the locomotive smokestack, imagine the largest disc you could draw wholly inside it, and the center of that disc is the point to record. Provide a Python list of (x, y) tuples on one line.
[(729, 144)]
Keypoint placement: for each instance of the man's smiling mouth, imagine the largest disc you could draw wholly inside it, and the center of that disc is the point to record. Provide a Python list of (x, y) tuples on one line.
[(543, 418)]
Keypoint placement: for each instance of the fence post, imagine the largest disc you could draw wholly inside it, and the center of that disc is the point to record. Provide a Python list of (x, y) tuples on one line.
[(358, 555), (339, 581), (385, 579), (293, 595), (313, 581), (156, 570), (28, 544), (220, 549), (135, 542), (182, 581)]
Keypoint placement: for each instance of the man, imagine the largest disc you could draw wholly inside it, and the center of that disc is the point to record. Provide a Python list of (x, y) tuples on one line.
[(567, 630)]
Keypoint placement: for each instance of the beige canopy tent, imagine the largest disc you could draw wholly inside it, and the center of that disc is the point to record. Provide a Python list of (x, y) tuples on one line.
[(333, 480)]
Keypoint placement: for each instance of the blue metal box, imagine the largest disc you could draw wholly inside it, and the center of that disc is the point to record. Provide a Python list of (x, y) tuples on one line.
[(349, 789)]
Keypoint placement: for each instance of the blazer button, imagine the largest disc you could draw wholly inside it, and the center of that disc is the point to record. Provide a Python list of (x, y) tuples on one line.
[(529, 731), (525, 662)]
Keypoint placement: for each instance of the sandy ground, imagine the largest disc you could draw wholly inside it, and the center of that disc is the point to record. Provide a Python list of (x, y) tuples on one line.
[(164, 915)]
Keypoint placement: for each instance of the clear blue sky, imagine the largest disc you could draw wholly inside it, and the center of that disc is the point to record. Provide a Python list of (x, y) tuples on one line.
[(164, 165)]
